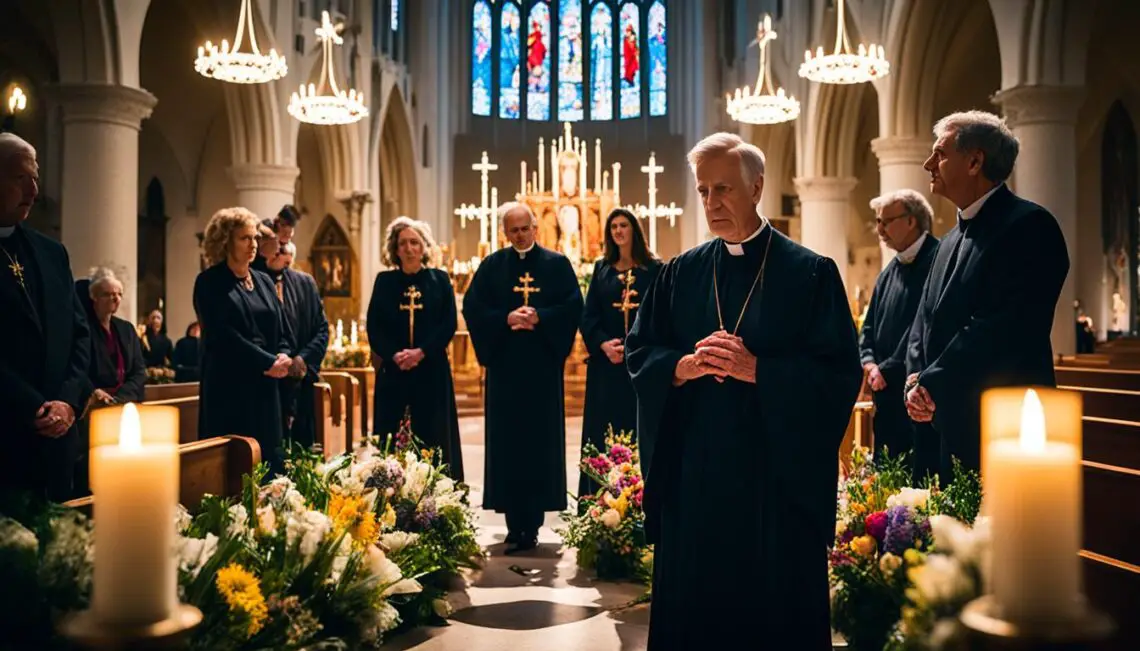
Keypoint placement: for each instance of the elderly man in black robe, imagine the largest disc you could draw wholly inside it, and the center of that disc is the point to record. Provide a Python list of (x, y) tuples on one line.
[(746, 367), (902, 220), (522, 310), (44, 361)]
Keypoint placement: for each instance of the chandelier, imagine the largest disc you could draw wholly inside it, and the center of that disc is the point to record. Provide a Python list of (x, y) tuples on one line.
[(761, 105), (326, 103), (240, 67), (841, 66)]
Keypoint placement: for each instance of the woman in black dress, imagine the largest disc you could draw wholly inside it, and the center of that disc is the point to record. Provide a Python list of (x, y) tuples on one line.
[(610, 399), (245, 344), (410, 352), (185, 356), (157, 348)]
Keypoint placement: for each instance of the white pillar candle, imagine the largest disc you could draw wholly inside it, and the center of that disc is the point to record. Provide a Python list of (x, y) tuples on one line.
[(352, 335), (134, 478), (541, 187), (553, 173), (605, 182), (522, 178), (582, 169), (598, 166), (494, 226), (617, 183)]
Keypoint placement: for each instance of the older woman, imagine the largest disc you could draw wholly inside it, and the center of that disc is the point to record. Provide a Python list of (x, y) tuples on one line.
[(117, 370), (157, 345), (411, 320), (245, 344)]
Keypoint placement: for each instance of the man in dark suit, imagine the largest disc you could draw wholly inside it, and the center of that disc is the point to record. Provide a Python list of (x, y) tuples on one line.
[(43, 364), (987, 308)]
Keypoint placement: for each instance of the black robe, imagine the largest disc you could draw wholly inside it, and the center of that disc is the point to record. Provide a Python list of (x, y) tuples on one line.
[(985, 322), (426, 390), (305, 318), (45, 357), (525, 466), (883, 341), (186, 359), (157, 349), (103, 372), (610, 399), (242, 334), (741, 478)]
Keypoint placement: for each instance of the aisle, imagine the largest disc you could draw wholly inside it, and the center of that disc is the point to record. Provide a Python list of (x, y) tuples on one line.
[(549, 607)]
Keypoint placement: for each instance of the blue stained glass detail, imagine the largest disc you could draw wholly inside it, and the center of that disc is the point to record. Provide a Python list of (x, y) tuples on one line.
[(601, 63), (509, 62), (538, 63), (630, 72), (570, 101), (481, 58), (394, 18), (658, 60)]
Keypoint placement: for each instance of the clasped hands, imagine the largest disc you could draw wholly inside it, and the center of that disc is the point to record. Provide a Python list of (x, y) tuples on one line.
[(919, 404), (720, 355), (614, 349), (54, 418), (285, 366), (523, 318), (408, 358)]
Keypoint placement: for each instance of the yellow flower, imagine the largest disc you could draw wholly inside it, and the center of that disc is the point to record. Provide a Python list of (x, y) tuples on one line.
[(913, 557), (426, 454), (366, 531), (619, 504), (389, 517), (242, 593), (863, 546)]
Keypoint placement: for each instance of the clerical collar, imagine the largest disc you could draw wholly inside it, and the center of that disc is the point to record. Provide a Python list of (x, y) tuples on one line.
[(738, 248), (522, 252), (6, 232), (907, 255), (973, 209)]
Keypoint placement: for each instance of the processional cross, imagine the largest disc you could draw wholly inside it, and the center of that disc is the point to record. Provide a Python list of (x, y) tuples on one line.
[(411, 306), (625, 304), (526, 290), (653, 211)]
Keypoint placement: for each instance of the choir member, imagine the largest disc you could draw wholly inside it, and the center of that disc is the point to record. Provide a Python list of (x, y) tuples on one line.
[(157, 348), (187, 353)]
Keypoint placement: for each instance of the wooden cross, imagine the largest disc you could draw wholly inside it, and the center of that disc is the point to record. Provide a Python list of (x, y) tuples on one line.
[(626, 305), (526, 290), (412, 293)]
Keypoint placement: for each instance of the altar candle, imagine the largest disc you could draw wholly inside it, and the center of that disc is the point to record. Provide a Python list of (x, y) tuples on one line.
[(1033, 494), (605, 182), (494, 230), (352, 335), (598, 166), (541, 187), (134, 478), (582, 169), (617, 189), (339, 334), (522, 177), (553, 173), (534, 183)]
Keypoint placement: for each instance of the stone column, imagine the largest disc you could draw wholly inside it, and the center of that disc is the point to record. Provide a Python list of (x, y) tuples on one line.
[(99, 193), (262, 188), (824, 209), (355, 203), (900, 168), (1044, 119)]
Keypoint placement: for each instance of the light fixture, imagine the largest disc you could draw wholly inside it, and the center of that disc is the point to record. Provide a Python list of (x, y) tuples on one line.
[(237, 67), (841, 66), (763, 105), (325, 103), (17, 100)]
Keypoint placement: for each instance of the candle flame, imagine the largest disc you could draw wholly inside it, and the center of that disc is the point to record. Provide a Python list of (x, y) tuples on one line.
[(130, 436), (1032, 423)]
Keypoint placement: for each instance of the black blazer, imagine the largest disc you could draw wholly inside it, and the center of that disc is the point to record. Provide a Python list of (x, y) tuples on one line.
[(102, 370), (990, 324)]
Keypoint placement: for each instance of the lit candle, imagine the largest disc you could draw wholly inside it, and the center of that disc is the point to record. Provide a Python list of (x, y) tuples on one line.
[(339, 334), (522, 177), (134, 478), (352, 335), (605, 182), (541, 187), (617, 183), (1033, 496), (598, 166)]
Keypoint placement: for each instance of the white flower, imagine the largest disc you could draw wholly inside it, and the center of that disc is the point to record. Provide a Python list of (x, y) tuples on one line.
[(441, 607), (238, 525), (294, 500), (888, 563), (840, 527), (182, 519), (193, 553), (340, 560), (941, 579), (266, 520), (276, 489), (398, 540), (444, 486), (415, 480), (387, 617), (912, 497), (611, 518), (307, 529), (17, 537), (955, 538)]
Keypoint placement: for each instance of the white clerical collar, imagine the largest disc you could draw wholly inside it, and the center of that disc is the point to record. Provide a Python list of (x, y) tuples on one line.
[(973, 209), (522, 252), (6, 231), (907, 255), (738, 248)]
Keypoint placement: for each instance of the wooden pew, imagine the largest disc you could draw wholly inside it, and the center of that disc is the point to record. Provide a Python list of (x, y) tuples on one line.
[(859, 432), (331, 431), (1095, 377), (187, 416), (367, 379), (153, 392), (346, 404)]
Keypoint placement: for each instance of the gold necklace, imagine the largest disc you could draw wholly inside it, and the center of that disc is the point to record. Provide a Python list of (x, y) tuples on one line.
[(759, 280), (15, 266)]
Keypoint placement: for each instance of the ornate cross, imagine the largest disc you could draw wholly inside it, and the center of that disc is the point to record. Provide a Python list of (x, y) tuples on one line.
[(18, 272), (411, 306), (625, 304), (526, 290)]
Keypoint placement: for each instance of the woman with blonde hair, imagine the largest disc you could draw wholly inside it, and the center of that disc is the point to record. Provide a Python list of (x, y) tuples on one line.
[(411, 320), (245, 344)]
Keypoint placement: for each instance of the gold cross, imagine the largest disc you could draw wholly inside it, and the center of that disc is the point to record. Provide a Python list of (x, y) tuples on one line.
[(16, 267), (412, 293), (526, 290), (626, 305)]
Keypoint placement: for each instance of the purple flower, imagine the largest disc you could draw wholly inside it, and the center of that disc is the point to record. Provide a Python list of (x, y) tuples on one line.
[(388, 474), (620, 454), (901, 530), (426, 512)]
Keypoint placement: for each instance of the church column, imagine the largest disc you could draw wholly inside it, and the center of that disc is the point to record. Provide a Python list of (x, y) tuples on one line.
[(262, 188), (824, 209), (1044, 119), (99, 193), (900, 168)]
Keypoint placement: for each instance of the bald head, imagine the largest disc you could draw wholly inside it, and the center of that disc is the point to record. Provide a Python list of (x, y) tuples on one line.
[(19, 179)]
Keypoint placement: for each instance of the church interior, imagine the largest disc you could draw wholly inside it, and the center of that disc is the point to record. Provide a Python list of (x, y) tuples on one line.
[(575, 108)]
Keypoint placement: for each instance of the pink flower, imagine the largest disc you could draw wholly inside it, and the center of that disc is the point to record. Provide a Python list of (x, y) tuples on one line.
[(620, 454), (876, 525), (600, 465)]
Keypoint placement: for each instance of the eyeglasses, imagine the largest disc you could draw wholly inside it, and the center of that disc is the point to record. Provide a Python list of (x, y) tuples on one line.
[(880, 221)]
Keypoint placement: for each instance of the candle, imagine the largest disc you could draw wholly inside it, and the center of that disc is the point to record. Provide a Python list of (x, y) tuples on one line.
[(605, 182), (522, 178), (494, 230), (617, 189), (352, 335), (541, 187), (598, 166), (534, 183), (134, 478), (1033, 496), (553, 172), (582, 169), (339, 334)]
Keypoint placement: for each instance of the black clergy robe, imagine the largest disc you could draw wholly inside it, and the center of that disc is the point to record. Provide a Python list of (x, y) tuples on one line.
[(986, 315), (525, 464), (741, 478), (883, 341), (242, 334), (610, 399), (426, 391), (305, 318)]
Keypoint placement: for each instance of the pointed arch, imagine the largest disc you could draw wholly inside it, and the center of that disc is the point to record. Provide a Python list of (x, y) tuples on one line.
[(658, 60), (481, 58), (538, 61), (601, 61), (571, 106), (510, 58), (397, 154), (629, 75)]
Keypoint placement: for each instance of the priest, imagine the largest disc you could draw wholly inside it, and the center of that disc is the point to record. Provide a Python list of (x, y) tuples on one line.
[(522, 310), (745, 363)]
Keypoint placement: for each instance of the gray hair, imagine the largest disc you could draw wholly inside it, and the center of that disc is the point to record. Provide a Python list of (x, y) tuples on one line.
[(751, 157), (511, 206), (392, 240), (290, 249), (987, 133), (100, 276), (12, 145), (913, 203)]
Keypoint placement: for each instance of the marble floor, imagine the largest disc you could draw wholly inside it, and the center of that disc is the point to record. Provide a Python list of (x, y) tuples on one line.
[(538, 601)]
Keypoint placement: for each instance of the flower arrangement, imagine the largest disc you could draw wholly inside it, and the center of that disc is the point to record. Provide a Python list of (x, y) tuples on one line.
[(883, 530), (358, 356), (608, 530), (159, 375)]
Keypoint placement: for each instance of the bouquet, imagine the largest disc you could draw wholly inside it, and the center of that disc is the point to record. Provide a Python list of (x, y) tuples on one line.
[(608, 530), (883, 530), (351, 356), (159, 375)]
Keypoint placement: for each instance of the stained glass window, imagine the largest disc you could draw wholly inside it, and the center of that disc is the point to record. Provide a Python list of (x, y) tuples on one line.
[(658, 61), (481, 58), (570, 103), (509, 22), (601, 62), (630, 72), (538, 63), (394, 19)]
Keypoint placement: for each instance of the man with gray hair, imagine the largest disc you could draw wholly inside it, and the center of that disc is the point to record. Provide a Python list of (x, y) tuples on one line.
[(745, 363), (902, 220), (987, 309), (43, 364)]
